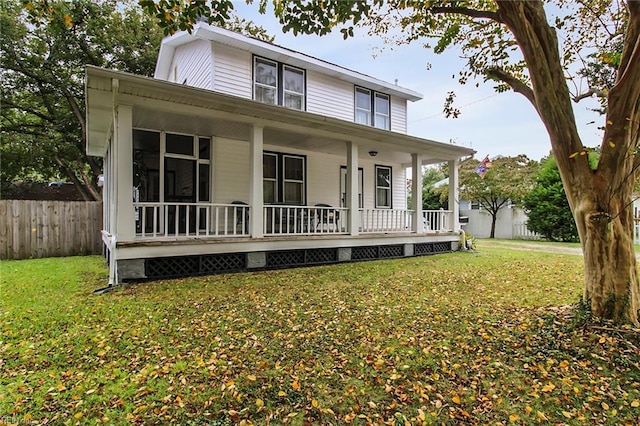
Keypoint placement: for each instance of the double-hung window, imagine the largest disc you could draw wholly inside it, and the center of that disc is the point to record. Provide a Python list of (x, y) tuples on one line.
[(381, 111), (270, 177), (278, 84), (284, 177), (363, 106), (293, 179), (383, 187), (372, 108), (293, 88), (265, 85)]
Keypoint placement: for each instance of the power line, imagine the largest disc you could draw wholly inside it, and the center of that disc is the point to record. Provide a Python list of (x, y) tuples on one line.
[(460, 107)]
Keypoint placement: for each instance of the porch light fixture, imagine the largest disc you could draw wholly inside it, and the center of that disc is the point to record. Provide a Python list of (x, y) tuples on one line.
[(373, 153)]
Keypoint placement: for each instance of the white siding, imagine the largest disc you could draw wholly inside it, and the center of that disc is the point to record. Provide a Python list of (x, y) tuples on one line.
[(323, 179), (233, 71), (398, 185), (329, 96), (398, 115), (231, 180), (225, 69), (191, 64), (231, 159)]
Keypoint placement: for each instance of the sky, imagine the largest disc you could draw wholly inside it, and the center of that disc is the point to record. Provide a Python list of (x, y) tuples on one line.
[(492, 124)]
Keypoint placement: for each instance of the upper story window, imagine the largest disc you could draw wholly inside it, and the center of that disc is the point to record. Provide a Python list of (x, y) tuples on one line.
[(278, 84), (265, 84), (372, 108)]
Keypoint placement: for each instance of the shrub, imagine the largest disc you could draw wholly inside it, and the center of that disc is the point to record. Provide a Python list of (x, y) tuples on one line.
[(547, 206)]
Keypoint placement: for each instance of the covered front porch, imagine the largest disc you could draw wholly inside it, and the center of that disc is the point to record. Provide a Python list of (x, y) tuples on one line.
[(191, 173)]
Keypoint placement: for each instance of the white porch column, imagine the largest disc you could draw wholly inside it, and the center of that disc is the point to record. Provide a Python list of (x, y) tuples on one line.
[(124, 214), (256, 197), (416, 193), (352, 188), (454, 194)]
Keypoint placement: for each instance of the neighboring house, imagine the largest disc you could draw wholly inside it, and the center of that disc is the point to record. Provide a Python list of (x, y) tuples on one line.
[(244, 155)]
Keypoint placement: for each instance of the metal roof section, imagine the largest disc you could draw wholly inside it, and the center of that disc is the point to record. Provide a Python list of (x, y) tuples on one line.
[(204, 31), (163, 105)]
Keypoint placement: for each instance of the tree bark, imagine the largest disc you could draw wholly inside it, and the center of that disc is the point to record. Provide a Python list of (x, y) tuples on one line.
[(494, 218), (600, 199)]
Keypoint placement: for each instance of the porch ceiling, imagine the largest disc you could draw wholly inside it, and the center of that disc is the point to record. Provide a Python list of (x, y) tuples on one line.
[(149, 119), (172, 107)]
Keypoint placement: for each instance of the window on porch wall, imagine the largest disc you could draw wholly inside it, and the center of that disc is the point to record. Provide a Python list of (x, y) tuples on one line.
[(186, 164), (284, 178), (293, 180), (383, 187)]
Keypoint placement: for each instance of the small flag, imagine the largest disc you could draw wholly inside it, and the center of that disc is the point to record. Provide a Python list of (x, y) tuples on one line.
[(483, 166)]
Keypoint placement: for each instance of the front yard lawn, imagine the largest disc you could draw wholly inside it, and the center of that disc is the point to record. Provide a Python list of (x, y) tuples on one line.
[(461, 338)]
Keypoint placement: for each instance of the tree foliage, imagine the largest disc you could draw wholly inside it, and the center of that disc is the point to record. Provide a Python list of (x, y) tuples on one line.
[(45, 47), (175, 15), (506, 182), (433, 196), (44, 53), (547, 206), (519, 47)]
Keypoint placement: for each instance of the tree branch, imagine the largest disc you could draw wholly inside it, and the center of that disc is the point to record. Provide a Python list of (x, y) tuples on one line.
[(588, 94), (8, 103), (24, 70), (632, 38), (623, 110), (518, 86), (472, 13), (72, 176), (24, 129), (76, 110)]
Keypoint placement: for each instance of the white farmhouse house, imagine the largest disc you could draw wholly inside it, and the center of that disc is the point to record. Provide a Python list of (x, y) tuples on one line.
[(243, 155)]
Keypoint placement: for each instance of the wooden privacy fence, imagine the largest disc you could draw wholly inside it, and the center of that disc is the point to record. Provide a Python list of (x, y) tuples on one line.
[(31, 229)]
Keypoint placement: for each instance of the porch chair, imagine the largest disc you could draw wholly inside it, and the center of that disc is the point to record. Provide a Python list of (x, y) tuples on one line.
[(326, 217), (240, 217)]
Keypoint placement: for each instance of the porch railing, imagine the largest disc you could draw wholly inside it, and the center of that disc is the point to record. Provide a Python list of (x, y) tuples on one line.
[(304, 220), (385, 220), (437, 220), (197, 219), (157, 220)]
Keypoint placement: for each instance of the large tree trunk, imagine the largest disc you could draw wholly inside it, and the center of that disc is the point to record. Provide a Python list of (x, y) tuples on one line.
[(600, 199), (611, 278)]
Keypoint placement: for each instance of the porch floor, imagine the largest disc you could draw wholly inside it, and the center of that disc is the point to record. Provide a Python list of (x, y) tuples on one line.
[(199, 239)]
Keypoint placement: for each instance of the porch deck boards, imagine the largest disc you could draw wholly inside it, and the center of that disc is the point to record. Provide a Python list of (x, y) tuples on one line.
[(193, 238)]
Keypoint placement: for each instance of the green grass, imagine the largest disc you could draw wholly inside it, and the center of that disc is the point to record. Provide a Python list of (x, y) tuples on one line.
[(542, 244), (462, 338)]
